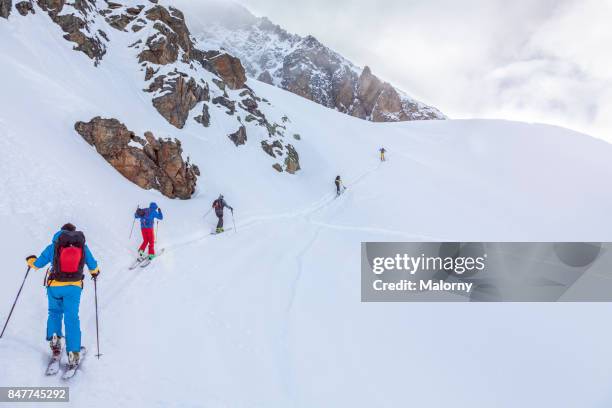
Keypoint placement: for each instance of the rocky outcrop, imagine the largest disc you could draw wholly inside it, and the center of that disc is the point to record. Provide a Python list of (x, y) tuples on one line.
[(276, 149), (227, 67), (178, 92), (266, 77), (292, 161), (120, 20), (171, 34), (204, 118), (77, 25), (5, 8), (156, 164), (230, 70), (175, 20), (239, 137), (388, 106), (180, 96), (162, 48), (226, 102), (377, 100), (273, 149), (24, 7)]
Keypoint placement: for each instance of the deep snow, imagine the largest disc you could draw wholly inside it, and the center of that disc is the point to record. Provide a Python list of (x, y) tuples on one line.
[(270, 315)]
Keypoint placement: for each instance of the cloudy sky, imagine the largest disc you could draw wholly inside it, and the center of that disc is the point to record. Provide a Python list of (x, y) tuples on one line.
[(533, 60)]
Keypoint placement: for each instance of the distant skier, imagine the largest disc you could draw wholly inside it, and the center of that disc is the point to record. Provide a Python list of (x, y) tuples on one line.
[(339, 187), (219, 204), (147, 218), (382, 154), (67, 255)]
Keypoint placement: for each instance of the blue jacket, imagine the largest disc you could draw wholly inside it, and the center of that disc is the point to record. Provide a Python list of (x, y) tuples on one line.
[(47, 255), (151, 213)]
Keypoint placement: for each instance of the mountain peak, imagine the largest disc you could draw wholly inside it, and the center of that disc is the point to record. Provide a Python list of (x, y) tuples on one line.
[(304, 66)]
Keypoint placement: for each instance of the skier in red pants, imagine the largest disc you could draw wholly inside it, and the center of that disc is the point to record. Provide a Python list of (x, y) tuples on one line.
[(147, 218)]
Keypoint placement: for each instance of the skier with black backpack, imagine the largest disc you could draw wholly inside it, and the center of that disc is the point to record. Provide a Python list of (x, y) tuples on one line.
[(219, 204), (68, 254), (339, 187), (147, 218)]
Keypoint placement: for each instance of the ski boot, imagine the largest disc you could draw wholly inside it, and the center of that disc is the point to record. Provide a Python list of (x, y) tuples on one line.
[(219, 230), (74, 357), (141, 256), (56, 345), (56, 355)]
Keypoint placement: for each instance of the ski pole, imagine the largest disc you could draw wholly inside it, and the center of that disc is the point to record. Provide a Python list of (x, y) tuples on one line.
[(207, 212), (15, 302), (133, 222), (97, 327), (156, 229), (234, 221), (132, 230)]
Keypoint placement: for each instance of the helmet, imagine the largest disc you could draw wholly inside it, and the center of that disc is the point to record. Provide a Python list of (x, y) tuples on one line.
[(221, 196), (153, 206)]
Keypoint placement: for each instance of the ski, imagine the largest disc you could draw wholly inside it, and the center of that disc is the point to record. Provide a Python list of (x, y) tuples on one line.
[(54, 365), (148, 261), (71, 372), (225, 230), (137, 262), (55, 359), (144, 261)]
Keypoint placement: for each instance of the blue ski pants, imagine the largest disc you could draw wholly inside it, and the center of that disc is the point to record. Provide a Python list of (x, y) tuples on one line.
[(64, 304)]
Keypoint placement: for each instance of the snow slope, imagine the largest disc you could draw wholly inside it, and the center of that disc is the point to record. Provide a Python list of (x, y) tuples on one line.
[(270, 316)]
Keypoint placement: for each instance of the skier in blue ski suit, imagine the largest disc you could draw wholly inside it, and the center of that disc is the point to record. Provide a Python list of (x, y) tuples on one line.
[(64, 297)]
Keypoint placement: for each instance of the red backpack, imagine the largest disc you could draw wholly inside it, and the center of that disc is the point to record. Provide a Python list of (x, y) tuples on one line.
[(69, 257)]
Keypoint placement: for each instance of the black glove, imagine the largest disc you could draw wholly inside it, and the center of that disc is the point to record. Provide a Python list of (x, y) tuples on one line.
[(95, 273)]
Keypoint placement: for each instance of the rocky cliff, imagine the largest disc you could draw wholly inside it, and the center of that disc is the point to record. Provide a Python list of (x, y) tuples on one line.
[(149, 162), (305, 66)]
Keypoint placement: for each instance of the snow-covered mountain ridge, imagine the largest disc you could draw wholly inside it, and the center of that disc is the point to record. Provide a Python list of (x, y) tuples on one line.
[(303, 65)]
